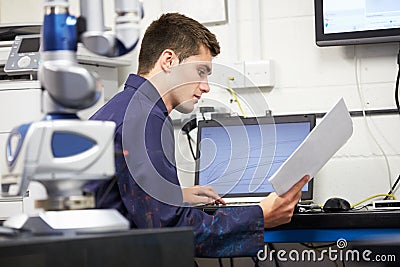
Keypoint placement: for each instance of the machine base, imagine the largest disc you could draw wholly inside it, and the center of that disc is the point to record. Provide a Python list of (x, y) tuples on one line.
[(79, 221)]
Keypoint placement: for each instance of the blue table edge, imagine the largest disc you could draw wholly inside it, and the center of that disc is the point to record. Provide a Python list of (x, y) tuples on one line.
[(326, 235)]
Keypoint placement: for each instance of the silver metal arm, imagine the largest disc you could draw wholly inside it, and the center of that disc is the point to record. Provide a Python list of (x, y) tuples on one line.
[(68, 88), (126, 36)]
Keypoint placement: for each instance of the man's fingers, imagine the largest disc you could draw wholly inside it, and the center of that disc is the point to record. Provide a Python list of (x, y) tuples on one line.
[(220, 201), (202, 200), (297, 187), (206, 194), (209, 192)]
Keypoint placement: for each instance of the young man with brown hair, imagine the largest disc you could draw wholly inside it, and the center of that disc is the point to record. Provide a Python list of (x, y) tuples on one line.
[(174, 63)]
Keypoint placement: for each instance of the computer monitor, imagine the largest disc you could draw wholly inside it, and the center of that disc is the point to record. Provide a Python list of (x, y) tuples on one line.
[(237, 155), (343, 22)]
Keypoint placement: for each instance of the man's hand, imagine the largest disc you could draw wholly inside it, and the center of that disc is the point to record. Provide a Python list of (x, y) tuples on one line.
[(201, 195), (278, 210)]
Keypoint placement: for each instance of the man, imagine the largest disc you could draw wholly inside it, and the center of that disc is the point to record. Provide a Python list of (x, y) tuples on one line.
[(174, 63)]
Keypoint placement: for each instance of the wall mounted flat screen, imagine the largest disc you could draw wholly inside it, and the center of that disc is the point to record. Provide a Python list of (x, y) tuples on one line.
[(349, 22)]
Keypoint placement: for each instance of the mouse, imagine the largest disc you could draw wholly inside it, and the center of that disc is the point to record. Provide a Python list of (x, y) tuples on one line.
[(336, 204)]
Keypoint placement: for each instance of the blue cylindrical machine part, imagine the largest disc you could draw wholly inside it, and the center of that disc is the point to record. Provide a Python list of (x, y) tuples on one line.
[(59, 32)]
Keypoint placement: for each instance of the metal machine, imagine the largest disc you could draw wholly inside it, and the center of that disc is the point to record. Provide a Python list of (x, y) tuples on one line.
[(63, 152)]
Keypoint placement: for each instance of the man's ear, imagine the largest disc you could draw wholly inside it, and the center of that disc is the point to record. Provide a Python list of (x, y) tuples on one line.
[(168, 59)]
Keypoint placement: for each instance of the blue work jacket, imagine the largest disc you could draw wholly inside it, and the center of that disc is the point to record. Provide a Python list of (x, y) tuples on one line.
[(145, 189)]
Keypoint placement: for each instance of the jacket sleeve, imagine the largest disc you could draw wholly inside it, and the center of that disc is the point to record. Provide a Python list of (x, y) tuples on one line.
[(228, 232)]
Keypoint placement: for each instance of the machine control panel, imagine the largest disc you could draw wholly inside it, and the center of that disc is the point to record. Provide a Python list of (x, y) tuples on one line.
[(24, 56)]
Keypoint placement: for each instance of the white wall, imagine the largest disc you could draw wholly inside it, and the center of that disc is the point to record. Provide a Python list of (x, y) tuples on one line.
[(25, 11), (308, 79)]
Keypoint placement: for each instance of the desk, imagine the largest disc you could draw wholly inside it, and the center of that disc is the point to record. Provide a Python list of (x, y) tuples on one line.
[(329, 227), (375, 231), (156, 247)]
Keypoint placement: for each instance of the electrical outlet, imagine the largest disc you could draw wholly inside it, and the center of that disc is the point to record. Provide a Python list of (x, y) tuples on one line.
[(231, 74), (244, 74), (259, 73)]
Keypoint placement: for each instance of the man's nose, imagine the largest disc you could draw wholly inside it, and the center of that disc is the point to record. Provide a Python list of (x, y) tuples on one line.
[(204, 87)]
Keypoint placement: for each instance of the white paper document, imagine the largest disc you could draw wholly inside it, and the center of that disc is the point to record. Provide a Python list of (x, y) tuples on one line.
[(321, 144)]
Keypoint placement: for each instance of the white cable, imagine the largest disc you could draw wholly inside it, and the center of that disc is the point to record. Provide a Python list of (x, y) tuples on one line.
[(361, 96)]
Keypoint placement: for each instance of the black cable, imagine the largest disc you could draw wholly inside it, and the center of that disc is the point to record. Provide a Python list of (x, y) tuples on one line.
[(321, 246), (364, 206), (111, 183), (107, 191), (256, 261), (396, 92), (393, 189), (190, 145), (220, 262), (272, 248), (196, 264), (231, 261), (186, 128)]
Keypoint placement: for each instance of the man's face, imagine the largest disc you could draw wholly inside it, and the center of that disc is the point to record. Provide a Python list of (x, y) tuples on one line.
[(191, 80)]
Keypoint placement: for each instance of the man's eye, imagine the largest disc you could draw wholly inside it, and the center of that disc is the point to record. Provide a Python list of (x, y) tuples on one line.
[(201, 73)]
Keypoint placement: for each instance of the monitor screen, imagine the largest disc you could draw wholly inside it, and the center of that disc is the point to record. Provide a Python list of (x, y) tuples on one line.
[(343, 22), (237, 157), (29, 45)]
